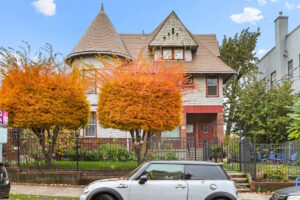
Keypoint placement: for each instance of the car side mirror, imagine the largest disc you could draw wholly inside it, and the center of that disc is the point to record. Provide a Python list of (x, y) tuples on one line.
[(143, 179)]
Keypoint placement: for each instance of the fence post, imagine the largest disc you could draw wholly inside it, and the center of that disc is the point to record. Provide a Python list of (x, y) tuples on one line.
[(240, 149), (254, 151), (77, 152), (18, 141)]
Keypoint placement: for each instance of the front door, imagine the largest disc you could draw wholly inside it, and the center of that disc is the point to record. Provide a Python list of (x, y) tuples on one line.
[(164, 183)]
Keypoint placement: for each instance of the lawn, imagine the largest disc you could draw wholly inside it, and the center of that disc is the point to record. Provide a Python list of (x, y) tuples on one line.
[(85, 165), (31, 197)]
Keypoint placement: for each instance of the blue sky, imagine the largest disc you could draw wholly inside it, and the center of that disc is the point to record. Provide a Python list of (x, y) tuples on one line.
[(62, 22)]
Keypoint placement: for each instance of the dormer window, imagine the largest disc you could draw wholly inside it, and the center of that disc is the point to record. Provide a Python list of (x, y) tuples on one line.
[(173, 54)]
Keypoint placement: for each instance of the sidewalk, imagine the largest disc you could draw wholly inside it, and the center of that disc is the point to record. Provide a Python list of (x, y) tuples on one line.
[(254, 196), (75, 191), (47, 190)]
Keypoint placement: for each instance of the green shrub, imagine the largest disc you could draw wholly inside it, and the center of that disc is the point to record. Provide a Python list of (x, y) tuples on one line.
[(276, 173), (105, 152)]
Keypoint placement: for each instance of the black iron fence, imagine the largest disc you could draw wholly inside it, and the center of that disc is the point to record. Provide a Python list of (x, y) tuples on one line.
[(116, 156)]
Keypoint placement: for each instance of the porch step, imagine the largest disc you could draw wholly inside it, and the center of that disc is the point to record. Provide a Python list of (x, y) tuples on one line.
[(240, 180)]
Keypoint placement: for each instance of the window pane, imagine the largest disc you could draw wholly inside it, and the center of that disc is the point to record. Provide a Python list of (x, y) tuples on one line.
[(178, 54), (167, 53), (165, 172), (204, 172), (190, 128), (90, 75), (212, 86), (90, 129), (290, 68), (273, 78)]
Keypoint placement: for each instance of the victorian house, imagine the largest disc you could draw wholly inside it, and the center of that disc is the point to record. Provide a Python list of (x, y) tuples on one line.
[(173, 42)]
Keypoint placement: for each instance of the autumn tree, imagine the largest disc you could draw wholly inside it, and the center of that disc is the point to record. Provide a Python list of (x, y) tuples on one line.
[(141, 98), (42, 95), (238, 52)]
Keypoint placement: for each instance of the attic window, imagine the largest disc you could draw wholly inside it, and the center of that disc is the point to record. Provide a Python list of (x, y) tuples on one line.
[(173, 31), (164, 38)]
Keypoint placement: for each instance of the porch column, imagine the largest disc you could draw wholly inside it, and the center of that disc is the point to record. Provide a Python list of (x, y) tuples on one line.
[(220, 128), (183, 132)]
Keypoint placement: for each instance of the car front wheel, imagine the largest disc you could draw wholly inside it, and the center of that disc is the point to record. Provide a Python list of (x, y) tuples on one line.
[(103, 197)]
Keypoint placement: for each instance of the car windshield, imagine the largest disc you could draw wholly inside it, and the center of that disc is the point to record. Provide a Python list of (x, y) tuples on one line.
[(134, 171)]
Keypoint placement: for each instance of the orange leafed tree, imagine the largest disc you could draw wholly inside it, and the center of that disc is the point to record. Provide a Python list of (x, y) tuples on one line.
[(140, 97), (42, 96)]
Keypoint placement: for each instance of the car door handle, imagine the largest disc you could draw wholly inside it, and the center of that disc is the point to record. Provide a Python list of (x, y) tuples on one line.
[(180, 186), (122, 185)]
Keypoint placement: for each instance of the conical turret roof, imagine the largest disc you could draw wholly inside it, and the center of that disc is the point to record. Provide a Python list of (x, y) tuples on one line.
[(100, 38)]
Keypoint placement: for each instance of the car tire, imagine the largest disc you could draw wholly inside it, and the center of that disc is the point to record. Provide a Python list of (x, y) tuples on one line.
[(104, 197)]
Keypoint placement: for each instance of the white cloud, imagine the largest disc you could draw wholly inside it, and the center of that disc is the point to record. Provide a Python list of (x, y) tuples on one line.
[(262, 2), (250, 15), (291, 6), (46, 7), (261, 52)]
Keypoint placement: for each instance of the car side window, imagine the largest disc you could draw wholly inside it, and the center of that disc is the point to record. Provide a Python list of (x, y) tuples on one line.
[(164, 172), (204, 172)]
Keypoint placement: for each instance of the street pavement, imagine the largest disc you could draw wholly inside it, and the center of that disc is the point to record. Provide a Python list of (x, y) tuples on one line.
[(75, 191)]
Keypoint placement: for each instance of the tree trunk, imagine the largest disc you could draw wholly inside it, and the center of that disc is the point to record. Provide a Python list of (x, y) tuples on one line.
[(47, 150), (228, 128), (148, 140)]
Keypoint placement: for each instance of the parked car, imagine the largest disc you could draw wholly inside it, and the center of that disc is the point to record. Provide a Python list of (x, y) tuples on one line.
[(291, 193), (163, 180), (4, 182)]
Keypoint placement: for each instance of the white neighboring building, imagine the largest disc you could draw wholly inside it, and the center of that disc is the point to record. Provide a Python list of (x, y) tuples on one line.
[(282, 62)]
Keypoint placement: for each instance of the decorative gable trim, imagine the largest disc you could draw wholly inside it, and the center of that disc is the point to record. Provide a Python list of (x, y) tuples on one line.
[(172, 32)]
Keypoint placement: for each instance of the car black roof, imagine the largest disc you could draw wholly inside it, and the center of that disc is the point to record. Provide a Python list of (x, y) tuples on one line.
[(185, 162)]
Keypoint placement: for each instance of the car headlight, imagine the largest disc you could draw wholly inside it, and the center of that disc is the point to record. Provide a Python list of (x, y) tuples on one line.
[(293, 198), (87, 190)]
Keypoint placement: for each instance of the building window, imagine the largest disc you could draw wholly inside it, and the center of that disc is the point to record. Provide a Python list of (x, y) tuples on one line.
[(290, 68), (91, 127), (190, 128), (173, 53), (90, 76), (273, 78), (212, 86)]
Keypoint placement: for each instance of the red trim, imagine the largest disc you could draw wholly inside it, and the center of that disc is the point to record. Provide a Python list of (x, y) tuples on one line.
[(212, 96), (202, 109)]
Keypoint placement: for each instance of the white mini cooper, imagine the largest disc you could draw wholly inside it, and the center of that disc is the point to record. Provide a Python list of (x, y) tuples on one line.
[(167, 180)]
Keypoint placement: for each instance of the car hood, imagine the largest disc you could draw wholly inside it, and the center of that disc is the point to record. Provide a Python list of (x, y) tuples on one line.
[(290, 191), (111, 183)]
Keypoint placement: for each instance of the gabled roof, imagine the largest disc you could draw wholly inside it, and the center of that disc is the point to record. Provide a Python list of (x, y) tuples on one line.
[(100, 38), (205, 59), (185, 31)]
